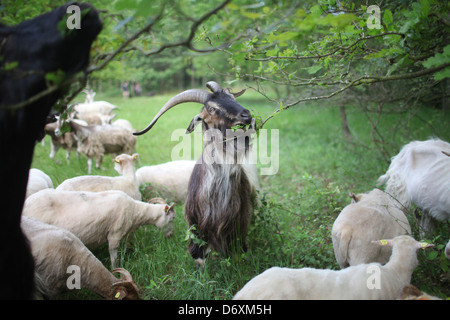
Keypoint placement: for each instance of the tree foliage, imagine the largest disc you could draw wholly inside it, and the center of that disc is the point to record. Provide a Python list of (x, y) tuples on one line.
[(289, 51)]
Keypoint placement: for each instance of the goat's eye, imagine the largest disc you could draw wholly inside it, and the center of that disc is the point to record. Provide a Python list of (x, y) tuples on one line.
[(211, 110)]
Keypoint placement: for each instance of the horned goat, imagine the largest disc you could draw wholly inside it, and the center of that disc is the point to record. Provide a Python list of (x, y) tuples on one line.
[(37, 180), (168, 180), (56, 251), (94, 141), (219, 200), (420, 173), (370, 216), (363, 281), (98, 217), (90, 94), (29, 52), (126, 182), (65, 141)]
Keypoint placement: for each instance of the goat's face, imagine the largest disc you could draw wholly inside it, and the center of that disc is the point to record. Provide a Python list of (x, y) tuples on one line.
[(221, 112)]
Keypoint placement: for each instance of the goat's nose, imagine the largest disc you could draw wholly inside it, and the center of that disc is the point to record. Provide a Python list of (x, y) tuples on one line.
[(245, 115)]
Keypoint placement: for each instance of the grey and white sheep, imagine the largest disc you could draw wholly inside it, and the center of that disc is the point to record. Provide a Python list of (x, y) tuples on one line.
[(55, 250), (98, 217), (94, 141), (370, 216)]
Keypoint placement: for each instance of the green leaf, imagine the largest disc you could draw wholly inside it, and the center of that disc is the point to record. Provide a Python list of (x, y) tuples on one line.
[(432, 255), (438, 58), (55, 78), (10, 65), (425, 7), (387, 17), (442, 74), (314, 69), (316, 11)]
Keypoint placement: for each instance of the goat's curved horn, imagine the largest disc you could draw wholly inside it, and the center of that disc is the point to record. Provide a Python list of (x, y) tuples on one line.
[(213, 86), (192, 95)]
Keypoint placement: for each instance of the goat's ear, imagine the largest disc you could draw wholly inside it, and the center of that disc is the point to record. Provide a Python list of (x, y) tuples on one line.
[(194, 122)]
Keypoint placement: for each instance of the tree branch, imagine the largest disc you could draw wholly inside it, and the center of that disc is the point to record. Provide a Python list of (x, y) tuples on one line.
[(362, 81)]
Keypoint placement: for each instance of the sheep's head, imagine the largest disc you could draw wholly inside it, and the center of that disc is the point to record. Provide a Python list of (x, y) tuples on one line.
[(124, 160), (165, 221), (220, 109)]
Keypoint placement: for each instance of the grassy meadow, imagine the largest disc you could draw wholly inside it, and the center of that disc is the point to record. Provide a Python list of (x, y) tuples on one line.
[(317, 170)]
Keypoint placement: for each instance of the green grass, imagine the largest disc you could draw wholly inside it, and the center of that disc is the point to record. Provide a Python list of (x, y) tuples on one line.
[(317, 170)]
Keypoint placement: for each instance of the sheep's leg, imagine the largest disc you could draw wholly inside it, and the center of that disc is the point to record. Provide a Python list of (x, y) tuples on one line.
[(427, 225), (68, 156), (53, 150), (98, 162), (89, 165), (113, 245)]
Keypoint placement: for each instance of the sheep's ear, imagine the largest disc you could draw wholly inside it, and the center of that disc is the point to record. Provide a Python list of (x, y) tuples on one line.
[(120, 294), (167, 209), (194, 122), (135, 156), (353, 197), (383, 242), (424, 245), (116, 160)]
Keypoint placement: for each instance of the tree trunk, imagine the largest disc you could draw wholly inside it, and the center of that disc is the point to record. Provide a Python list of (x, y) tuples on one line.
[(345, 128)]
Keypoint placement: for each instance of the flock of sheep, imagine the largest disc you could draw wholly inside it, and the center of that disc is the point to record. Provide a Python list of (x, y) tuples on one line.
[(82, 213), (87, 211), (372, 235)]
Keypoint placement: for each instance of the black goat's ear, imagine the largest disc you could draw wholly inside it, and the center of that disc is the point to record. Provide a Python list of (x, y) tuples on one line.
[(194, 122)]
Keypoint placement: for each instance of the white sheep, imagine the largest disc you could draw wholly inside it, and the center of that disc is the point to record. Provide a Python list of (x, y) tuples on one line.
[(169, 180), (97, 118), (126, 182), (420, 173), (37, 180), (96, 106), (98, 217), (124, 124), (56, 250), (363, 281), (370, 216)]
